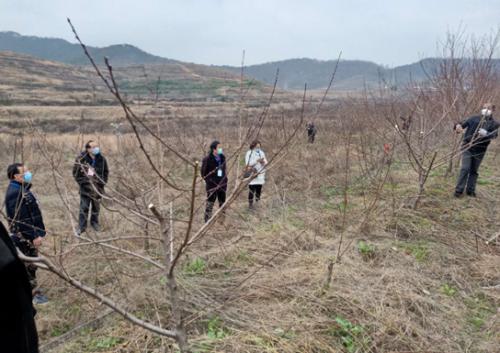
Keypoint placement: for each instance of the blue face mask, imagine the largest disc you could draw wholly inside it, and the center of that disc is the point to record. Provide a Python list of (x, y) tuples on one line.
[(27, 177), (96, 151), (219, 150)]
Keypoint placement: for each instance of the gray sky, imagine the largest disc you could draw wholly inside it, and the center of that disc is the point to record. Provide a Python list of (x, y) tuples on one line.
[(390, 32)]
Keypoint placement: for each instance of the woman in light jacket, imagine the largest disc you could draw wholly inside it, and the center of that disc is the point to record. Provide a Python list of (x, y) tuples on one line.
[(255, 161)]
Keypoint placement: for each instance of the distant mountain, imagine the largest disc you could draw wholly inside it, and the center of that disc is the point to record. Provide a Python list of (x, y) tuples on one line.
[(295, 72), (60, 50), (351, 74)]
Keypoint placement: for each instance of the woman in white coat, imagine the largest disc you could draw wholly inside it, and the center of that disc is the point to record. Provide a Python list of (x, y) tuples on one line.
[(255, 161)]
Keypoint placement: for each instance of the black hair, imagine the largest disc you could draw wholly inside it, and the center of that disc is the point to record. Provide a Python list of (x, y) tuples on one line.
[(214, 145), (254, 144), (87, 145), (13, 169)]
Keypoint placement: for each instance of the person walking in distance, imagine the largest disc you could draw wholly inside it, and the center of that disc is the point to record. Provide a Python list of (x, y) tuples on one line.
[(479, 131), (255, 162), (91, 173), (311, 132), (213, 171), (25, 220)]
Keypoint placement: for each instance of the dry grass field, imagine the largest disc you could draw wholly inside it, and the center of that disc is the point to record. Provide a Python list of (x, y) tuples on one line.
[(402, 279)]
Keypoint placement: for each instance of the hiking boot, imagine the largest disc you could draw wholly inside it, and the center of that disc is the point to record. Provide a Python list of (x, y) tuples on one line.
[(96, 227), (457, 194), (79, 232), (208, 211), (40, 299), (471, 193)]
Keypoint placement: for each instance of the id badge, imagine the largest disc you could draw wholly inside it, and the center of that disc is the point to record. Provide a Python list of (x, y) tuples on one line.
[(219, 173)]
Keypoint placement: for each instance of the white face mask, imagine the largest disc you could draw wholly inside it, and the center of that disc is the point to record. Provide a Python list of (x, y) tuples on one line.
[(486, 112)]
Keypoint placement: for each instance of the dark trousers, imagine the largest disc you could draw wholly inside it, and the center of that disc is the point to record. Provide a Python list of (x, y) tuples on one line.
[(254, 193), (28, 249), (310, 137), (85, 202), (471, 160), (212, 196)]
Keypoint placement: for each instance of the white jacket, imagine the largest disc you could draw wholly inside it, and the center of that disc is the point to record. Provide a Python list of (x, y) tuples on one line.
[(252, 159)]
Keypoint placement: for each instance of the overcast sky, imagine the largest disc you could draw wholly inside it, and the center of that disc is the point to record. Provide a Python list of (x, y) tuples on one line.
[(390, 32)]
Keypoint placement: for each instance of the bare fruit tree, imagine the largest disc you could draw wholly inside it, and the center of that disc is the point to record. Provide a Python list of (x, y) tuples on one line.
[(464, 79)]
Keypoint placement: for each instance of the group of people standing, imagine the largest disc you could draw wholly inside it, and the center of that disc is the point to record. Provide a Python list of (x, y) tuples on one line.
[(214, 172), (26, 234), (478, 131), (26, 226), (90, 171)]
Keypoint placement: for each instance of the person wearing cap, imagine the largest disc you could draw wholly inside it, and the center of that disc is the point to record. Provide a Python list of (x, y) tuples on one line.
[(25, 220), (213, 171), (479, 131), (91, 173)]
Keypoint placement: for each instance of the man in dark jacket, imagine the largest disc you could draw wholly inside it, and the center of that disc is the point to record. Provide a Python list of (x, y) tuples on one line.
[(213, 171), (17, 325), (25, 220), (311, 132), (479, 131), (91, 173)]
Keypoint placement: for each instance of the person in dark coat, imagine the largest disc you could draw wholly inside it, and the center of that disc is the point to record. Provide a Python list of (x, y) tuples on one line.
[(213, 171), (25, 220), (17, 324), (91, 173), (311, 132), (479, 131)]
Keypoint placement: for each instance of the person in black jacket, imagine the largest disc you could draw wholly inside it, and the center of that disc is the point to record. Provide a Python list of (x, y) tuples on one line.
[(91, 173), (311, 132), (17, 324), (213, 171), (25, 220), (479, 131)]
